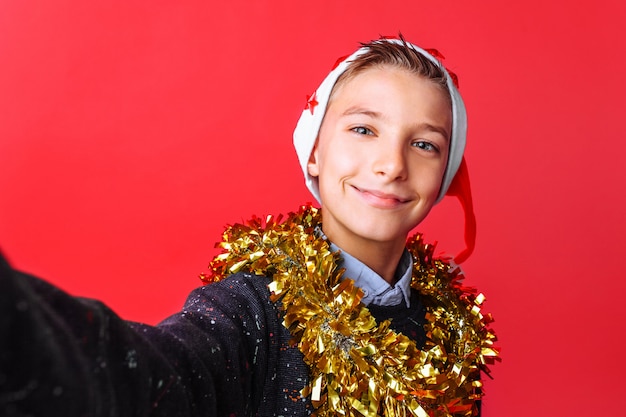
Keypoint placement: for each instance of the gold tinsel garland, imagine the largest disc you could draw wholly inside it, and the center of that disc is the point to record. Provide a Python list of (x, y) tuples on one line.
[(357, 366)]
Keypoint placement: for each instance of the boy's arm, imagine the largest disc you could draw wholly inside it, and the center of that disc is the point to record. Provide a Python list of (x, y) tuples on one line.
[(61, 355)]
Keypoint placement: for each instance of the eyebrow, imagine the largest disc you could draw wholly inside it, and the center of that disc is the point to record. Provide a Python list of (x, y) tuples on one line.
[(360, 110), (437, 129), (377, 115)]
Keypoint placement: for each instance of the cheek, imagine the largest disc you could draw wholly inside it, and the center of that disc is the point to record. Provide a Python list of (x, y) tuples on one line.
[(337, 159), (346, 165), (428, 178)]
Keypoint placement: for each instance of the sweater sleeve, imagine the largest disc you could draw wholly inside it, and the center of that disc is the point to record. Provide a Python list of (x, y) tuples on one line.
[(62, 355)]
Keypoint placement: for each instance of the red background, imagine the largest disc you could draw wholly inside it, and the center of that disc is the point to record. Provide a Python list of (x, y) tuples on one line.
[(132, 132)]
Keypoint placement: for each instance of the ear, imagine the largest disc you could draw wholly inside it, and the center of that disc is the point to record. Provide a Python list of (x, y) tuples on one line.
[(313, 164)]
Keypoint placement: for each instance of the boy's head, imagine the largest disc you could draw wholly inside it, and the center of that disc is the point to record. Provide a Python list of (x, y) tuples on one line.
[(409, 95), (380, 157), (396, 53)]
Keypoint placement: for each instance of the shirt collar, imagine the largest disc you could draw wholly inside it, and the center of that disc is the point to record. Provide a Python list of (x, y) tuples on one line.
[(376, 290)]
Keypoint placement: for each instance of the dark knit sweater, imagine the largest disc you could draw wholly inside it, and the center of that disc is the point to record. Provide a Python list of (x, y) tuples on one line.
[(226, 354)]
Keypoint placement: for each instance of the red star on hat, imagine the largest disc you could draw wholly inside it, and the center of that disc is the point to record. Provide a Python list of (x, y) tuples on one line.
[(311, 102)]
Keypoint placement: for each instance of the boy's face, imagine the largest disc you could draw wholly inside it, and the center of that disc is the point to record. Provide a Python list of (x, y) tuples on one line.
[(380, 156)]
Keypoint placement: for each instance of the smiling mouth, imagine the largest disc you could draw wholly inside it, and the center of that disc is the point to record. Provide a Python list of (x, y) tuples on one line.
[(381, 199)]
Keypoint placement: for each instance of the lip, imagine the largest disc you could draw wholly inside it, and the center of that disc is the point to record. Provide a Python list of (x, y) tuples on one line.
[(381, 199)]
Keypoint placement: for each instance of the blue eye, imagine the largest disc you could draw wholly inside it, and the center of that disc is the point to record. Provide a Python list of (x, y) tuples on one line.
[(427, 146), (361, 130)]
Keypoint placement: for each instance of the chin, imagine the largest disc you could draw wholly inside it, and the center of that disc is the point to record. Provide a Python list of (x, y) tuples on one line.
[(382, 233)]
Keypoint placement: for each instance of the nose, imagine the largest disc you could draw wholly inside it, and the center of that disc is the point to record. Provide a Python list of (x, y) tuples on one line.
[(391, 162)]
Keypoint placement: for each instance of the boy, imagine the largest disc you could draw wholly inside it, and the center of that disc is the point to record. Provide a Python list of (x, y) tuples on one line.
[(281, 331)]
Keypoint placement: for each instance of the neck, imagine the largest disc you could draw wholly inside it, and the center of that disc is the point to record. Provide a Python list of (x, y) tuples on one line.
[(380, 257)]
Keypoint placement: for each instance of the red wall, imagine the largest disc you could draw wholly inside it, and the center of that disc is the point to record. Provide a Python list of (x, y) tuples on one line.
[(132, 132)]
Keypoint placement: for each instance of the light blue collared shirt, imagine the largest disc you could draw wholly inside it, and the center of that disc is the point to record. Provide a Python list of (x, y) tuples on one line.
[(376, 290)]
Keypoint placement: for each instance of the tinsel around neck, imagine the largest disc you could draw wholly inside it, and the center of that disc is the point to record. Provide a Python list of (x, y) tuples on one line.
[(359, 367)]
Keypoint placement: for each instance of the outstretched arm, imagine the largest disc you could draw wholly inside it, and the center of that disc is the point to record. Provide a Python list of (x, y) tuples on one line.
[(61, 355)]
